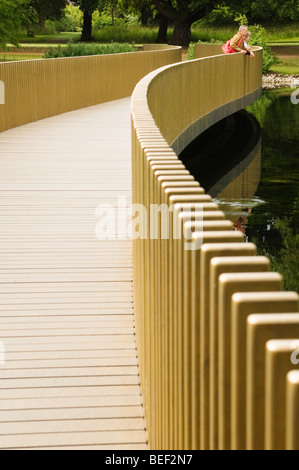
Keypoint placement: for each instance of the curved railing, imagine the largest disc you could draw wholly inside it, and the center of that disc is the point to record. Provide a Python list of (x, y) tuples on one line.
[(206, 306), (36, 89)]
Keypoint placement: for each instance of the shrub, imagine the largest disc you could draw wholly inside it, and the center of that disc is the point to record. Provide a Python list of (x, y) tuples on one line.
[(126, 33), (191, 51), (81, 49), (258, 35)]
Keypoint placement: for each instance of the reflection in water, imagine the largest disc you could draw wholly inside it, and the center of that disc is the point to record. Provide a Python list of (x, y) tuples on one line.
[(256, 186)]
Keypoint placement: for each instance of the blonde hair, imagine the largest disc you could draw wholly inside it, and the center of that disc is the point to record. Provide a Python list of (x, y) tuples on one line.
[(242, 27)]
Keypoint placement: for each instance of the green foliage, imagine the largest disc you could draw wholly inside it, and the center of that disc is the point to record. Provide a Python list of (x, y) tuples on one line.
[(88, 5), (212, 33), (109, 7), (30, 18), (259, 38), (289, 32), (191, 51), (13, 16), (275, 10), (50, 27), (72, 19), (49, 10), (101, 20), (143, 10), (212, 41), (75, 50), (126, 33), (287, 262), (221, 15), (241, 19)]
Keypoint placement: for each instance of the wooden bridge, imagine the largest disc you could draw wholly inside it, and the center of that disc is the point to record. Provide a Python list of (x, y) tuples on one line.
[(114, 344), (70, 378)]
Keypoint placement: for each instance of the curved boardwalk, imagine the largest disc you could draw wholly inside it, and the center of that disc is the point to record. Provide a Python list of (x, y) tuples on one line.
[(70, 376)]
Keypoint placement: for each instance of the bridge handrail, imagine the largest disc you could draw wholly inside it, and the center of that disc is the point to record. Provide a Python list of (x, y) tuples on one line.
[(202, 388), (41, 88)]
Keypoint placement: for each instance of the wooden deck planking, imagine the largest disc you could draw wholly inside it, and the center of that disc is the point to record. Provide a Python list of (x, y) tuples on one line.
[(70, 377)]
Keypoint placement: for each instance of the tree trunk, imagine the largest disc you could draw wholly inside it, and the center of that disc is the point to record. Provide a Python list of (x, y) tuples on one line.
[(144, 15), (112, 15), (181, 32), (41, 22), (87, 26), (163, 26)]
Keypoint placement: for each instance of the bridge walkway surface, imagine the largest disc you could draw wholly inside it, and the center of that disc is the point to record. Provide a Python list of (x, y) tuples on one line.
[(69, 374)]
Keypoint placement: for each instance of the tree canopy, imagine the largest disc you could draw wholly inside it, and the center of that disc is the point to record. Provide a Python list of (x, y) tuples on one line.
[(11, 19), (49, 10), (275, 10), (183, 13)]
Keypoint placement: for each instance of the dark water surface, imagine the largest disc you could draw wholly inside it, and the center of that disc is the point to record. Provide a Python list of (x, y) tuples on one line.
[(249, 164)]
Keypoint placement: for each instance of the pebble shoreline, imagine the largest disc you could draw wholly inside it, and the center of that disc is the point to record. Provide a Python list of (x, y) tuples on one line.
[(276, 80)]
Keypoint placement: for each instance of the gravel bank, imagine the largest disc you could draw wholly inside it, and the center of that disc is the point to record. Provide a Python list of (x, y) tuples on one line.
[(276, 80)]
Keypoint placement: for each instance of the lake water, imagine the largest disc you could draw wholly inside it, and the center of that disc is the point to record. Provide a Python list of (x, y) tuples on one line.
[(249, 164)]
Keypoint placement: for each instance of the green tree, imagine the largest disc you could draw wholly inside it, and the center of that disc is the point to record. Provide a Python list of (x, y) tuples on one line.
[(275, 10), (12, 16), (143, 8), (110, 6), (266, 10), (183, 13), (146, 10), (48, 10)]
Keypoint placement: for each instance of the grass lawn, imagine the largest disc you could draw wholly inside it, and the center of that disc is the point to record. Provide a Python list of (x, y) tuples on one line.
[(289, 58), (287, 66), (287, 42), (50, 39), (6, 57)]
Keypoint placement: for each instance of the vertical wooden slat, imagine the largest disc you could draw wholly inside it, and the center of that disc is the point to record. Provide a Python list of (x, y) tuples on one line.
[(260, 329), (278, 362), (221, 265), (292, 410), (244, 304), (208, 252), (228, 285)]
